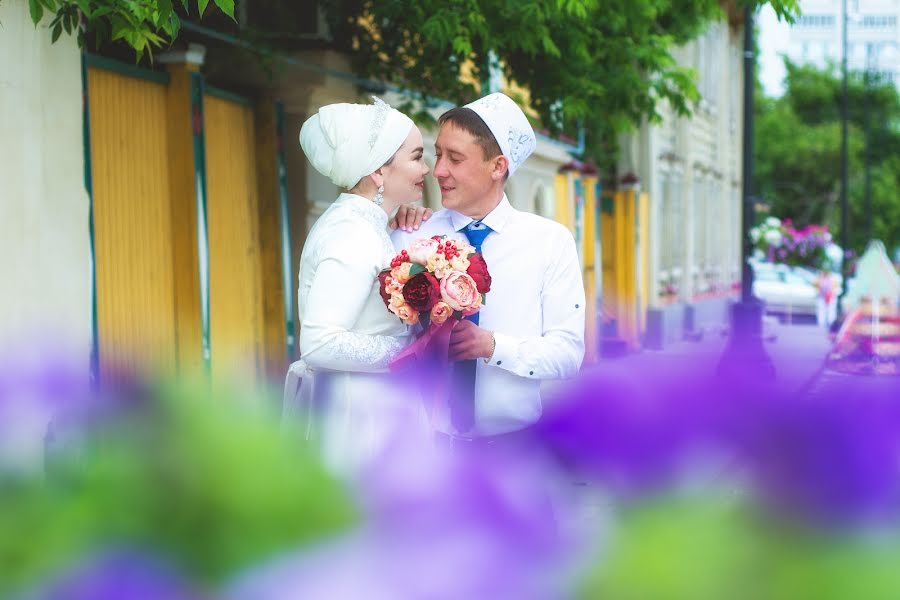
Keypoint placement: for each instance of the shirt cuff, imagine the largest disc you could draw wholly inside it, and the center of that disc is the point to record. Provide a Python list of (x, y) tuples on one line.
[(506, 352)]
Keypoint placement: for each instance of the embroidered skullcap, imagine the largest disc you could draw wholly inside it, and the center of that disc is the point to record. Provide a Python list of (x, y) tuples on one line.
[(509, 125), (346, 142)]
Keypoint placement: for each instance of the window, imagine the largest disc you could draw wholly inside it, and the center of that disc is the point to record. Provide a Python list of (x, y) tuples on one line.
[(877, 21), (814, 21)]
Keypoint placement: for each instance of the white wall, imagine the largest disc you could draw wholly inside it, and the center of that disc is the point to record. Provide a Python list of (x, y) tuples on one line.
[(45, 291)]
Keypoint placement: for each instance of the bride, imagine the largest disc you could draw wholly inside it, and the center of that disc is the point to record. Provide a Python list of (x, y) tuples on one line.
[(341, 389)]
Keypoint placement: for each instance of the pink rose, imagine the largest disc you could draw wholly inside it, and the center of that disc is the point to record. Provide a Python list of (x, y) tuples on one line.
[(421, 250), (459, 291), (440, 312), (474, 308)]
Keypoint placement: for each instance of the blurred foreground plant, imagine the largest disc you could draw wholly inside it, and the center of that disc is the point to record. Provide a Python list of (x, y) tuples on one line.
[(205, 482)]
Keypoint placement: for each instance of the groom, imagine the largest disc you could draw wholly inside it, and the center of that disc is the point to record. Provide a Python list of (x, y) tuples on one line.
[(531, 327)]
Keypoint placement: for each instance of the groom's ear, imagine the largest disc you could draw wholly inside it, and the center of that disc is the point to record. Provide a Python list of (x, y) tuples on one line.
[(501, 167)]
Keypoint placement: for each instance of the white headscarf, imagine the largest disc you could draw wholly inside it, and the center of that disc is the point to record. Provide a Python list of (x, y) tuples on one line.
[(509, 125), (346, 142)]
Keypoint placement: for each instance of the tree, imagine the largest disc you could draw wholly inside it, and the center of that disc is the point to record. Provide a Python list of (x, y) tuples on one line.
[(603, 66), (797, 152), (142, 24)]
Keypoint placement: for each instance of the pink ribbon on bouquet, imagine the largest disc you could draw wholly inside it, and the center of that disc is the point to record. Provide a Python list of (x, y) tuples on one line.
[(431, 348)]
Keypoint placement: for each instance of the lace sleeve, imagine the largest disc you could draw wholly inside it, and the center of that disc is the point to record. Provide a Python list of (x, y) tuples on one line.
[(361, 352), (343, 282)]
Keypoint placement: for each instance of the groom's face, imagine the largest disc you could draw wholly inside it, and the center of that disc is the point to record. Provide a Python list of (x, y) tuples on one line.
[(463, 172)]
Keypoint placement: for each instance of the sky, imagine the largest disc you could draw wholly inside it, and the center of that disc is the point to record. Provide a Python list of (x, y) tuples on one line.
[(773, 38)]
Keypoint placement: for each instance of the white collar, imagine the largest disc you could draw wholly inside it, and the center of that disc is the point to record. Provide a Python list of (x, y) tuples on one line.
[(496, 219)]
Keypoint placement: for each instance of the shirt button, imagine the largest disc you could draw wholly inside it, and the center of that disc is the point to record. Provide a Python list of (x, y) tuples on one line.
[(531, 372), (576, 306), (499, 361)]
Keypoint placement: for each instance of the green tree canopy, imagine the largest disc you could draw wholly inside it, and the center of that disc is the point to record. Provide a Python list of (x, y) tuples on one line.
[(141, 24), (603, 66), (798, 151)]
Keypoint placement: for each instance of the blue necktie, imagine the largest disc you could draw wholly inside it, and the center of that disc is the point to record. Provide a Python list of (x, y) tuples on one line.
[(462, 392)]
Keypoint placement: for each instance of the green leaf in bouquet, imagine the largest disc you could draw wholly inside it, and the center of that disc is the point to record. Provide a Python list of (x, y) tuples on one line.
[(416, 268)]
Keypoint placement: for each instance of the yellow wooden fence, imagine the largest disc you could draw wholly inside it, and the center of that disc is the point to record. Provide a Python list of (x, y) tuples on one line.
[(624, 225), (132, 223), (613, 247), (154, 260)]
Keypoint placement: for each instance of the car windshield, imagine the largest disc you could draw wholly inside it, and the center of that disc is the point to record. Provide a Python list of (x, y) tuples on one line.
[(766, 275)]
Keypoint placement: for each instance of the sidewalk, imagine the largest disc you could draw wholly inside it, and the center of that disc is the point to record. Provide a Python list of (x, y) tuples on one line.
[(797, 352)]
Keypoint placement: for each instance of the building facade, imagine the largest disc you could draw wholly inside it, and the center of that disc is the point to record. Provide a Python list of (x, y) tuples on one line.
[(873, 36), (691, 169)]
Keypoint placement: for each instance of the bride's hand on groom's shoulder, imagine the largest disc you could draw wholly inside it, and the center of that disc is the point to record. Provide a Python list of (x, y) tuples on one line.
[(410, 217), (468, 341)]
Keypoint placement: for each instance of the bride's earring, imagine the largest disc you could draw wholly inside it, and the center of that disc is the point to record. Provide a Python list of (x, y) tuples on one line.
[(379, 198)]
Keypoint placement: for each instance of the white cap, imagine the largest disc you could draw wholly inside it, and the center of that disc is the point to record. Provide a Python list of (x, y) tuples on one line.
[(509, 125)]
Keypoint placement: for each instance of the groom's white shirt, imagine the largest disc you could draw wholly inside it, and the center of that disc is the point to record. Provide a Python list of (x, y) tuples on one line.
[(535, 309)]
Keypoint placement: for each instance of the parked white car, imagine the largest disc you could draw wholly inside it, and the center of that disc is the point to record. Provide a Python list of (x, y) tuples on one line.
[(783, 291)]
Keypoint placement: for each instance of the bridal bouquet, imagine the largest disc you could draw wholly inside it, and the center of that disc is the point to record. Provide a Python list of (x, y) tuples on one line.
[(437, 279), (435, 283)]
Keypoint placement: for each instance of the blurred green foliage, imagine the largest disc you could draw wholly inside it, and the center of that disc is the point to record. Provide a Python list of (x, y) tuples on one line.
[(207, 482), (718, 546), (143, 25)]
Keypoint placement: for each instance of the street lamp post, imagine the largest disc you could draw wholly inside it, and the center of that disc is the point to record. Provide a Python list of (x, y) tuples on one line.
[(745, 355), (867, 157), (845, 236)]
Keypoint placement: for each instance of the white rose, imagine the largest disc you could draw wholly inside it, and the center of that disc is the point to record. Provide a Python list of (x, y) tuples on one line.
[(421, 250)]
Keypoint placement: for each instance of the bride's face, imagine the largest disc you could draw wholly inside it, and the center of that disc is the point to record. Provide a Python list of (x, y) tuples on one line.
[(404, 176)]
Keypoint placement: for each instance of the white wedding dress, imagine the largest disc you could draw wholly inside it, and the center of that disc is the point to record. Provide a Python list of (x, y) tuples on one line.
[(341, 389)]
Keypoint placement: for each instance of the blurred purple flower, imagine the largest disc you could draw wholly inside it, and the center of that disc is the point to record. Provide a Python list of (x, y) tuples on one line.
[(439, 526), (831, 459), (632, 432), (121, 574)]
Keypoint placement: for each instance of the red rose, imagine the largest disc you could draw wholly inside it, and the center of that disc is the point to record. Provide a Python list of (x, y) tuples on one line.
[(422, 291), (479, 272), (381, 281)]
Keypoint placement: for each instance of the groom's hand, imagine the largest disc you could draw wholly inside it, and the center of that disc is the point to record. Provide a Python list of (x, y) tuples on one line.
[(468, 341), (409, 217)]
